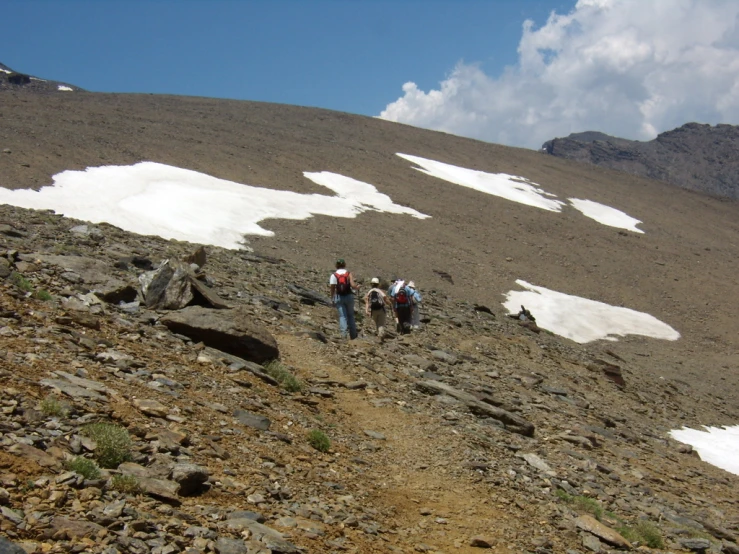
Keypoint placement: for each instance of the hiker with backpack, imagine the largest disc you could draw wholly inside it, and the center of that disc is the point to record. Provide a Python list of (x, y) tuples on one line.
[(374, 306), (401, 296), (342, 287), (415, 306)]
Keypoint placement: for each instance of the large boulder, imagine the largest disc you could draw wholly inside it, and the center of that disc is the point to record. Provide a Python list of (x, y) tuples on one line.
[(231, 331), (173, 285)]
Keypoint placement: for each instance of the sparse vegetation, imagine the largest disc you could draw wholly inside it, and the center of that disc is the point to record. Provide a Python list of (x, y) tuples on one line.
[(127, 484), (113, 443), (21, 282), (43, 295), (283, 376), (581, 504), (645, 532), (85, 467), (319, 440), (52, 406)]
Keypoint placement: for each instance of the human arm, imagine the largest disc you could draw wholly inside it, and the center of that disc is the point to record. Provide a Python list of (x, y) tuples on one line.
[(353, 283), (332, 287)]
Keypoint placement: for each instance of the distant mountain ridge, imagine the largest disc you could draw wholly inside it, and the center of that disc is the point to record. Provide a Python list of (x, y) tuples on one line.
[(13, 80), (696, 157)]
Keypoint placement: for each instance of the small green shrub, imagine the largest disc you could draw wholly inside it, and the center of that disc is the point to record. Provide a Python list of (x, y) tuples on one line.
[(113, 443), (85, 467), (645, 532), (588, 505), (21, 282), (581, 504), (52, 406), (319, 440), (283, 376), (127, 484), (43, 295)]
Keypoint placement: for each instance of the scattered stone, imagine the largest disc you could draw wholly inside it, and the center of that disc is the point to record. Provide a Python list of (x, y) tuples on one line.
[(482, 542), (603, 532), (252, 420)]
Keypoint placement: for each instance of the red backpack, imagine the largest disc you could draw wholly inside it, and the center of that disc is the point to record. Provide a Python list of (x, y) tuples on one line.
[(401, 297), (343, 283)]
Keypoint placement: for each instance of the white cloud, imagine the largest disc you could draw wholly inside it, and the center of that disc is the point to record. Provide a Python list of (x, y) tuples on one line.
[(624, 67)]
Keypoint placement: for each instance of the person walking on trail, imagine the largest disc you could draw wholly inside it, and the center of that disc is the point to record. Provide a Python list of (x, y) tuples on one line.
[(374, 306), (415, 306), (401, 295), (342, 286)]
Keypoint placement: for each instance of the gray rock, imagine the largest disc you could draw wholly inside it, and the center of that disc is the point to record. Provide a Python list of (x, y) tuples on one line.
[(536, 462), (695, 545), (265, 535), (225, 545), (445, 357), (512, 422), (592, 543), (168, 286), (232, 331), (7, 547), (237, 514), (190, 477), (602, 531), (252, 420)]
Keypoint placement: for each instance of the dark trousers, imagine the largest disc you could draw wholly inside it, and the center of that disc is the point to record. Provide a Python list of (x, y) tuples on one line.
[(404, 319)]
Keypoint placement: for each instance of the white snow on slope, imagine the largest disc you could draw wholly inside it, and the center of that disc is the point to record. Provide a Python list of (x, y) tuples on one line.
[(583, 320), (521, 190), (605, 214), (174, 203), (718, 446), (510, 187)]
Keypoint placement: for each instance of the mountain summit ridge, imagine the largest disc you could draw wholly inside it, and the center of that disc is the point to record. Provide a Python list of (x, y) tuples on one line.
[(694, 156)]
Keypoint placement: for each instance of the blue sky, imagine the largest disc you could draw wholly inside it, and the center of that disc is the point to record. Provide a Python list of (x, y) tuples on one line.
[(468, 67), (339, 54)]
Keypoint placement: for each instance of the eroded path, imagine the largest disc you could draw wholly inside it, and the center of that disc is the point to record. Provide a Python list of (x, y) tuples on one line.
[(411, 465)]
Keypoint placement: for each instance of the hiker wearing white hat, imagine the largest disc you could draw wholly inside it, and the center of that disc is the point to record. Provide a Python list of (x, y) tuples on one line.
[(374, 306), (415, 306)]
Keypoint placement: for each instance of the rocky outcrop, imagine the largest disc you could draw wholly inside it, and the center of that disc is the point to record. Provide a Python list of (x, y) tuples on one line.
[(697, 157), (232, 331), (12, 80)]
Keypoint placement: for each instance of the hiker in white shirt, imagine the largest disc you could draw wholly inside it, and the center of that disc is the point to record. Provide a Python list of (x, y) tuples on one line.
[(374, 306)]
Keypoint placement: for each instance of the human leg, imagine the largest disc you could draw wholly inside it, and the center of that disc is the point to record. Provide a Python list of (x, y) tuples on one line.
[(341, 309), (350, 325), (404, 319), (379, 317)]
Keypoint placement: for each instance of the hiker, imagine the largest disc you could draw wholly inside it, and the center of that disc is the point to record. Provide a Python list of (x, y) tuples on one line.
[(526, 319), (342, 287), (415, 306), (374, 306), (401, 296)]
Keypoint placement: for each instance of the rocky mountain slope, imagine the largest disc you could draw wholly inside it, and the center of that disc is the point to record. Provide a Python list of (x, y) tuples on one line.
[(702, 158), (13, 80), (475, 433)]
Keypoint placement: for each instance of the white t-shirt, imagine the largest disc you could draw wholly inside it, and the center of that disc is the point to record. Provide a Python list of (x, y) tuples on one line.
[(332, 280)]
